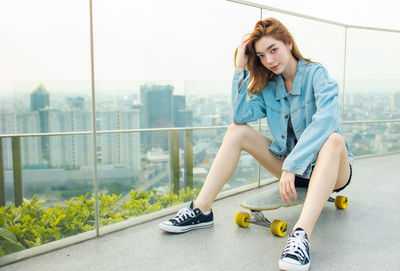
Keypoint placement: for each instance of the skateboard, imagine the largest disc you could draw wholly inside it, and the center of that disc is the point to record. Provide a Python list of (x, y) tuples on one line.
[(271, 200)]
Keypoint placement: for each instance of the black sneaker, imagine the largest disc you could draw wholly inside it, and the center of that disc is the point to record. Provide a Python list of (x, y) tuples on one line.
[(188, 219), (296, 256)]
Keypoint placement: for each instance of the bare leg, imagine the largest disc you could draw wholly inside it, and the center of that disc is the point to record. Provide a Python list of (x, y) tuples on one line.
[(331, 171), (237, 138)]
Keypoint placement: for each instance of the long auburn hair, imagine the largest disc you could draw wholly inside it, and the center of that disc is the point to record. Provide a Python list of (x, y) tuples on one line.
[(260, 75)]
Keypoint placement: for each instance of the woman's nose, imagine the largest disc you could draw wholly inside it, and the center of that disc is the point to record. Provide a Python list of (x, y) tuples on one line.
[(270, 59)]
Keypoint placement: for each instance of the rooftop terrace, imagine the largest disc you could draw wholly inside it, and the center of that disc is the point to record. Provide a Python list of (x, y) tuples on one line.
[(364, 237)]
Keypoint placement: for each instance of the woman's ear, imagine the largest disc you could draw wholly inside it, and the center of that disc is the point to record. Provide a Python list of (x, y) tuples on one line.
[(290, 45)]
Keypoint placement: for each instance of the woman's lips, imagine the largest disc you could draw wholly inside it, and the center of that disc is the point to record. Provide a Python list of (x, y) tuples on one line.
[(275, 67)]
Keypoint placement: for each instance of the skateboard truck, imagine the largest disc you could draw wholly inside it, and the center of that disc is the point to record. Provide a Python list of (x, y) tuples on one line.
[(278, 227)]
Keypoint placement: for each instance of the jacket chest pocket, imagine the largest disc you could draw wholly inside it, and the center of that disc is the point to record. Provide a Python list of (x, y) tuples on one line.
[(274, 107), (302, 116)]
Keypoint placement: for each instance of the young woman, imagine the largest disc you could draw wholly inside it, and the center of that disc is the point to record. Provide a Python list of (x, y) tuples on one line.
[(298, 98)]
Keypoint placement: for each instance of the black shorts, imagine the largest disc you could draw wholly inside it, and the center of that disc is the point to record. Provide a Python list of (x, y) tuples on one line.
[(303, 182)]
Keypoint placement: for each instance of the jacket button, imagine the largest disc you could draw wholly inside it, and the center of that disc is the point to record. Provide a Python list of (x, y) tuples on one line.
[(282, 136), (286, 116)]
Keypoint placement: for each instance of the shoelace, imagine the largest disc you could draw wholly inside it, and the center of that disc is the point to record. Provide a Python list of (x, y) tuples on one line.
[(184, 214), (297, 246)]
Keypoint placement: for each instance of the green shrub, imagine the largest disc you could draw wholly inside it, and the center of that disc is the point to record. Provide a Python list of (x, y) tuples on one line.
[(30, 225)]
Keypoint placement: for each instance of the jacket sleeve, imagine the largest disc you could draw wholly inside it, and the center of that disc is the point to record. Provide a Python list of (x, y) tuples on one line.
[(325, 121), (245, 110)]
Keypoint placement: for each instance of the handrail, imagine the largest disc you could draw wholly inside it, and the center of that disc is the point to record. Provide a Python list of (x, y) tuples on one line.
[(247, 3), (170, 129)]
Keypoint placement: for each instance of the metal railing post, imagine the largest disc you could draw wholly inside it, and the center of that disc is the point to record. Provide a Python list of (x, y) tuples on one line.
[(188, 158), (174, 160), (94, 130), (259, 129), (17, 170), (2, 188)]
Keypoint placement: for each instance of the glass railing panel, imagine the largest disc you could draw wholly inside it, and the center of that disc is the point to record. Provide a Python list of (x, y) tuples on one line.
[(48, 202), (170, 69), (44, 88), (373, 138), (372, 75), (127, 192), (132, 180)]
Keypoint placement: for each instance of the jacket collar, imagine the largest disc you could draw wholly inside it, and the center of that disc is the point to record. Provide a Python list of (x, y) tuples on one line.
[(296, 90)]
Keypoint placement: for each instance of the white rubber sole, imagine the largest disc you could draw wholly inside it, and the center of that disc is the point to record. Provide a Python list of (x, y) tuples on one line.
[(181, 229), (292, 266)]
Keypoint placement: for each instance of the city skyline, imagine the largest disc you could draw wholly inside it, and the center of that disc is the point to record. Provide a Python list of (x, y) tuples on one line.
[(123, 161)]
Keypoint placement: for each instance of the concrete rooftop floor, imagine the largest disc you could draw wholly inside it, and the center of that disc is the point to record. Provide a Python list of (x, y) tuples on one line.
[(366, 236)]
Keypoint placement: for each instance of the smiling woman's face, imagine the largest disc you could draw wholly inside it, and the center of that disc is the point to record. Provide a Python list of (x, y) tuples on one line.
[(273, 54)]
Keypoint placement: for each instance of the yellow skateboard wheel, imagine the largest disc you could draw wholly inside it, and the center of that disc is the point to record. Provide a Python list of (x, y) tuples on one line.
[(279, 228), (341, 202), (241, 219)]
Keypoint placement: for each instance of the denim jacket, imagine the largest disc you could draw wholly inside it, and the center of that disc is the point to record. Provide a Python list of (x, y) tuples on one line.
[(312, 105)]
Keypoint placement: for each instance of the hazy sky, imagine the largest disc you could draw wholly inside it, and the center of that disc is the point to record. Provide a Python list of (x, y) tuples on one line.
[(178, 40)]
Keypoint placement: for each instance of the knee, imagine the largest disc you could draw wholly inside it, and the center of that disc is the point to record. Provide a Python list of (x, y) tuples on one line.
[(238, 132), (335, 143)]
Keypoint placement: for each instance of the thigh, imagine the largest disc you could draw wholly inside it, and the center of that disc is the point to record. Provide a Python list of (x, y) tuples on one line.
[(257, 145), (344, 169)]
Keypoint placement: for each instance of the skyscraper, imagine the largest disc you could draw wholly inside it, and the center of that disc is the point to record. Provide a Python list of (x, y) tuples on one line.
[(7, 126), (179, 103), (31, 154), (40, 98), (71, 151), (119, 148), (395, 100), (40, 101), (157, 113)]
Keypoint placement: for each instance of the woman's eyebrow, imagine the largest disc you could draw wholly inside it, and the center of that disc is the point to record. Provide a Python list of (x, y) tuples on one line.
[(269, 47)]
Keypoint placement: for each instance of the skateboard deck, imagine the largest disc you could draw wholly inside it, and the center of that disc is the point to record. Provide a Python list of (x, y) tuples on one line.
[(270, 200)]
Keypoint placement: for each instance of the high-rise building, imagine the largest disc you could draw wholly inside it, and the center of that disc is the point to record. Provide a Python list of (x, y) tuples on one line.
[(395, 100), (157, 113), (44, 128), (72, 151), (119, 148), (130, 142), (7, 126), (185, 118), (40, 98), (179, 103), (31, 153), (40, 102)]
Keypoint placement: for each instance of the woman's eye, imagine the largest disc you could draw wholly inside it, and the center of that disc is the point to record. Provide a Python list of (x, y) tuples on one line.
[(260, 56), (274, 50)]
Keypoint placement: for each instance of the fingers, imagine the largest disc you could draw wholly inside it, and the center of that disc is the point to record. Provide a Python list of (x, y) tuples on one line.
[(282, 191), (242, 58), (244, 43), (292, 190), (287, 189)]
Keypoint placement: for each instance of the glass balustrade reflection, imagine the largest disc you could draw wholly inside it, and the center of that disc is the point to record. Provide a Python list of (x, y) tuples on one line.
[(372, 76), (373, 138)]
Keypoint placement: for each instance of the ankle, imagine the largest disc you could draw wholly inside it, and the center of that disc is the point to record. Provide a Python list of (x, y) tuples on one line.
[(307, 231), (203, 208)]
